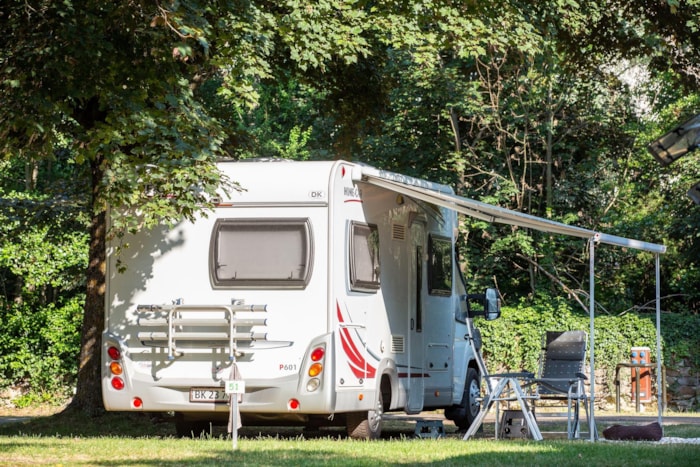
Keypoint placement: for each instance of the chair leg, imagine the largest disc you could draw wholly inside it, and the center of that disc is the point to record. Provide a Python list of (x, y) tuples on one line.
[(486, 404), (576, 428), (528, 413), (573, 428)]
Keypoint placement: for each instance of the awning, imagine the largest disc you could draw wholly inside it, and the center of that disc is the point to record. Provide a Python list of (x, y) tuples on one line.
[(442, 195)]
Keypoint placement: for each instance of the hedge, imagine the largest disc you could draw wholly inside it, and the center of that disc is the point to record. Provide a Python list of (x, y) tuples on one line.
[(513, 342)]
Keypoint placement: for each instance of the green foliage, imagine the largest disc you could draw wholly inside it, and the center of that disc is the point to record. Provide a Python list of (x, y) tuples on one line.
[(315, 33), (129, 104), (45, 260), (39, 346), (286, 123), (43, 255), (664, 33), (681, 333), (514, 341), (43, 248)]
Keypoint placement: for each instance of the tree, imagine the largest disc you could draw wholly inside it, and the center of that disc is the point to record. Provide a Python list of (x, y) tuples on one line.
[(513, 102), (663, 33), (120, 81)]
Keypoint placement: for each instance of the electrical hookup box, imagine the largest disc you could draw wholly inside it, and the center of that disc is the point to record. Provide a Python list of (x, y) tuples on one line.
[(641, 355)]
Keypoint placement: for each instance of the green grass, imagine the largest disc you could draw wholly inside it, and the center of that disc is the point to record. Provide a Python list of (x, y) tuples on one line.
[(117, 439)]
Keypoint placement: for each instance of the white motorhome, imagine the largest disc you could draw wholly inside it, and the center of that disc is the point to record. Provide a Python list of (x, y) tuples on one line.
[(336, 299)]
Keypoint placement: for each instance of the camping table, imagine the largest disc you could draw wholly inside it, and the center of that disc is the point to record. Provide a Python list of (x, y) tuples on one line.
[(507, 388)]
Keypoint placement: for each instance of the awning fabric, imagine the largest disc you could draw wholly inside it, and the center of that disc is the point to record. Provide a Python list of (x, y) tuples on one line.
[(444, 196)]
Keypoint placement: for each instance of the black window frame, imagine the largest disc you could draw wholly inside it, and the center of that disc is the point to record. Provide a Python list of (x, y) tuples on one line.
[(361, 284), (440, 278)]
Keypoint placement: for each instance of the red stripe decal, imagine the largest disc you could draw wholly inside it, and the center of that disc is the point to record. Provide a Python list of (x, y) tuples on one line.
[(358, 365)]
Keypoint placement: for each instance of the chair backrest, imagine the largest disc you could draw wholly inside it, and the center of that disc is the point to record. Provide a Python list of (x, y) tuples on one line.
[(564, 354)]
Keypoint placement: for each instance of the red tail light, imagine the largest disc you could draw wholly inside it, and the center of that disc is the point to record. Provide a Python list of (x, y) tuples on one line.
[(115, 367), (317, 354), (118, 383), (114, 353)]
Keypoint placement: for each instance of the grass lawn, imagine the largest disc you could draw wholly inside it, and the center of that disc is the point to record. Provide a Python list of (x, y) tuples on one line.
[(122, 439)]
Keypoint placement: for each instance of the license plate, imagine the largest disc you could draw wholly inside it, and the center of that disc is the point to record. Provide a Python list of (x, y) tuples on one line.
[(208, 395)]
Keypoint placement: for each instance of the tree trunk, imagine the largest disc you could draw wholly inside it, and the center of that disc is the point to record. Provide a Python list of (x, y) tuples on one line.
[(31, 174), (88, 397)]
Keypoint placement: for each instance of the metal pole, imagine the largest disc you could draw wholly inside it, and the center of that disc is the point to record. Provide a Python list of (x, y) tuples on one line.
[(591, 304), (661, 397), (234, 425)]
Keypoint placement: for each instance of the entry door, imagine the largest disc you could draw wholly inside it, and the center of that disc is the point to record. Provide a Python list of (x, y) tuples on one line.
[(416, 295)]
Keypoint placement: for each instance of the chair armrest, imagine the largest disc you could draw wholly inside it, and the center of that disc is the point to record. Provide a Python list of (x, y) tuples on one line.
[(520, 374)]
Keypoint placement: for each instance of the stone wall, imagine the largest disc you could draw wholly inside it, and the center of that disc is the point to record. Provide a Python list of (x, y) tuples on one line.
[(682, 389)]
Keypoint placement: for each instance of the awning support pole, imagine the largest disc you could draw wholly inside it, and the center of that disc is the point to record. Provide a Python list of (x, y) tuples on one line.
[(591, 298), (661, 397)]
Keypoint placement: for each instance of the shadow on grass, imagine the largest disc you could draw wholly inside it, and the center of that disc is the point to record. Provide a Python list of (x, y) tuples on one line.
[(71, 422), (75, 423)]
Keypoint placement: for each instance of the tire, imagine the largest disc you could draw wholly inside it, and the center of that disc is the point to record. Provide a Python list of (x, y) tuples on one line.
[(463, 415), (366, 425)]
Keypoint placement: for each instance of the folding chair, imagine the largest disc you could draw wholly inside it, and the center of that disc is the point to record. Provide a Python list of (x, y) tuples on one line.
[(502, 387), (561, 376)]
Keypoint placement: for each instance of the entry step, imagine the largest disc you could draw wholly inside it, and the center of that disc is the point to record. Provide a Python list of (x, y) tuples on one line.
[(429, 429)]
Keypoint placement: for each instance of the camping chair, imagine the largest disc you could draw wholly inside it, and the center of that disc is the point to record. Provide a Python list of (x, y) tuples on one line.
[(501, 388), (561, 376)]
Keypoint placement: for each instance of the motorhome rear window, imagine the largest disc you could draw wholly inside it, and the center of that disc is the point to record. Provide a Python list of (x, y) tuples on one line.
[(439, 266), (364, 257), (261, 253)]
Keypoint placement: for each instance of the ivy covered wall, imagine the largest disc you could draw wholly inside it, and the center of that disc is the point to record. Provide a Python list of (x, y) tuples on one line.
[(513, 342)]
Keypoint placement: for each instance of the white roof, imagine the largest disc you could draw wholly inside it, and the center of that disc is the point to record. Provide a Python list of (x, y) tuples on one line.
[(444, 196)]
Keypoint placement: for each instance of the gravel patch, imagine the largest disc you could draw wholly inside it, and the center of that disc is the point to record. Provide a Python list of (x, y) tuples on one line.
[(675, 440)]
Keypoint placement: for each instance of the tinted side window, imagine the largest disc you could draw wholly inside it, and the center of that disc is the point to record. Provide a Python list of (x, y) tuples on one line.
[(364, 257), (261, 253), (439, 266)]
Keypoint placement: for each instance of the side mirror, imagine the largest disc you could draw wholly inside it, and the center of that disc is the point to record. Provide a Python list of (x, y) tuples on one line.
[(492, 305), (489, 301)]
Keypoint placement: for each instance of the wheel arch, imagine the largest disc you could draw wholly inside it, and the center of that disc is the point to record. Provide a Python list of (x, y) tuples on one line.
[(388, 384)]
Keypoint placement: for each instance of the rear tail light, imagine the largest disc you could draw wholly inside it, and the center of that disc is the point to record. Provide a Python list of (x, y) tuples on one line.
[(314, 372), (317, 354), (117, 383), (114, 353), (315, 369), (313, 384), (116, 369)]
